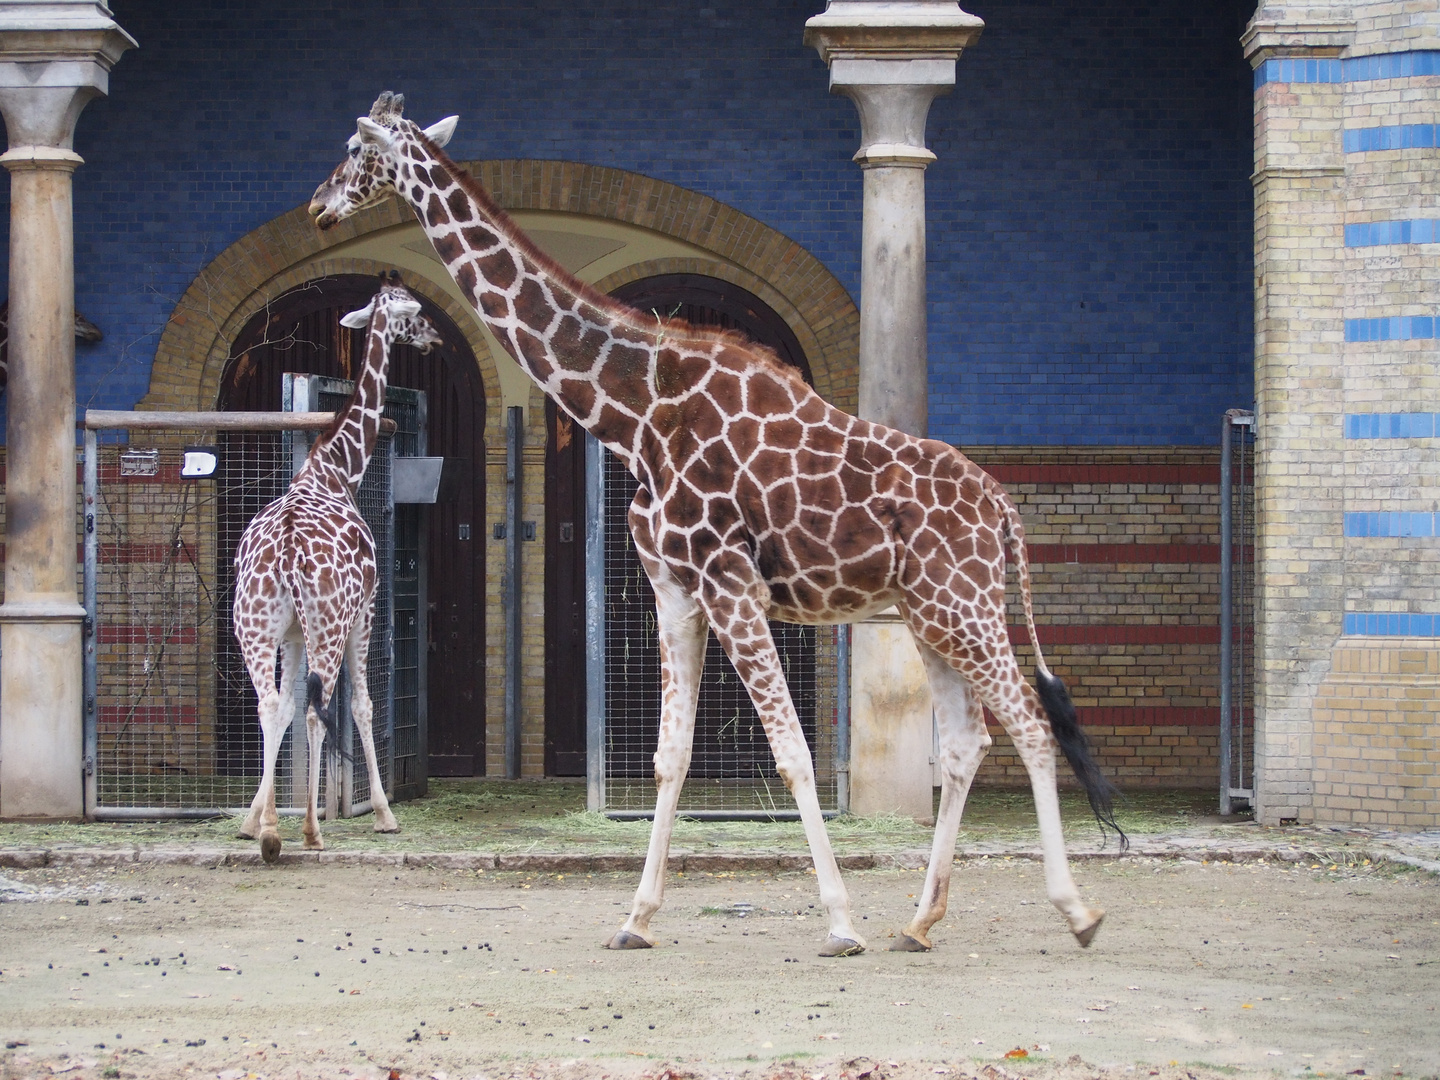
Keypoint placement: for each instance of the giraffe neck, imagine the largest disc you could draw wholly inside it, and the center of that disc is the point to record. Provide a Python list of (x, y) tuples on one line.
[(348, 443), (595, 356)]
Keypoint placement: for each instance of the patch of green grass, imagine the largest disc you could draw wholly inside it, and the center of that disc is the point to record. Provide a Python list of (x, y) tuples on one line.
[(510, 816)]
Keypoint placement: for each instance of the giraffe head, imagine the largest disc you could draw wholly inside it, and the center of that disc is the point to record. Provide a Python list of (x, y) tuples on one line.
[(374, 159), (402, 322)]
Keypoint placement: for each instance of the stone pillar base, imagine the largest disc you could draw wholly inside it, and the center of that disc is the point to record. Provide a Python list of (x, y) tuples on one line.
[(891, 726), (41, 764)]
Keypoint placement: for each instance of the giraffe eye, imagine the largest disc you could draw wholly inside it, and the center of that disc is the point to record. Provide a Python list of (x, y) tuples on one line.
[(354, 151)]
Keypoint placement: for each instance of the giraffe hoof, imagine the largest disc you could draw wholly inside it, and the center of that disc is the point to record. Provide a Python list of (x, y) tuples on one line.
[(314, 843), (839, 946), (1086, 935), (387, 824), (270, 847), (909, 943), (625, 940)]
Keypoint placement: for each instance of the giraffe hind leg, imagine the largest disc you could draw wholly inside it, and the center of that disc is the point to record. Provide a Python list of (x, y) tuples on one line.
[(963, 744), (362, 712), (1016, 704)]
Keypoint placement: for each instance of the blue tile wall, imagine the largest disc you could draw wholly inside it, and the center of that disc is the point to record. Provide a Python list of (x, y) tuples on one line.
[(1392, 624), (1090, 216), (1402, 65), (1392, 425), (1374, 233), (1394, 328), (1395, 137), (1390, 523)]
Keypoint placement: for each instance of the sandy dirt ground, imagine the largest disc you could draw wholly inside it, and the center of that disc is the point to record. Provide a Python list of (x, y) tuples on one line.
[(1201, 970)]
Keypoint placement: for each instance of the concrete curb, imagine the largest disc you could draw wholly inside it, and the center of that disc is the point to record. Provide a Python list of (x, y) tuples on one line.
[(679, 862)]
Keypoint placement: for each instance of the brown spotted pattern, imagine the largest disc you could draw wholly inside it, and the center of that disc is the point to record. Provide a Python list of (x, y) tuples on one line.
[(305, 576), (758, 500)]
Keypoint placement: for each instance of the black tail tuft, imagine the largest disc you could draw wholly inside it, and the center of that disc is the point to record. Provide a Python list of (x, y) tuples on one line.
[(1076, 747), (325, 711)]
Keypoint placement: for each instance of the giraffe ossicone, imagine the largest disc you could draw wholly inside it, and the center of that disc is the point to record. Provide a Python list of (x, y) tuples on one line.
[(305, 578), (758, 500)]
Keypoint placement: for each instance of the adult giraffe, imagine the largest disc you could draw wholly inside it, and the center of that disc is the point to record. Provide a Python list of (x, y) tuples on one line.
[(757, 500), (305, 577)]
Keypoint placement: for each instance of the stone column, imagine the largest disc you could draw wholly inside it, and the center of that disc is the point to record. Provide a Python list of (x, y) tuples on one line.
[(54, 57), (1299, 378), (892, 60)]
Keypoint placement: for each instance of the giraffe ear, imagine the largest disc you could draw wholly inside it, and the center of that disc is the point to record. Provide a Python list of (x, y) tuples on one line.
[(408, 308), (439, 133), (373, 133), (358, 320)]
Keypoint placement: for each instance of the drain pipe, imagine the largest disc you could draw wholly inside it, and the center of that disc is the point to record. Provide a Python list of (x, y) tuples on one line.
[(514, 466)]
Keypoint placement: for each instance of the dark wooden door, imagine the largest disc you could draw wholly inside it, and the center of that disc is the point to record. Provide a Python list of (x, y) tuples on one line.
[(564, 594), (300, 332), (725, 739)]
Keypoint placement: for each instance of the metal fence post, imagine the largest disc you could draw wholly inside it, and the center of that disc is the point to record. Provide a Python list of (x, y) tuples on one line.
[(90, 677), (594, 624), (514, 500)]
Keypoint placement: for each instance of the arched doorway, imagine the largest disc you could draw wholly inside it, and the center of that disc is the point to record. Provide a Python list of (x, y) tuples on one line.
[(701, 301), (300, 332)]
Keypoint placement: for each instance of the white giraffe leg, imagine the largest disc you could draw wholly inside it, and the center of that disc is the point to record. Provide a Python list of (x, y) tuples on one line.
[(362, 711), (742, 629), (263, 820), (1017, 706), (682, 632), (963, 743), (315, 735)]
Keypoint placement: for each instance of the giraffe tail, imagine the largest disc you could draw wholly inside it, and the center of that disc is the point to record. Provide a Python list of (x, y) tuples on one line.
[(1054, 696), (325, 710)]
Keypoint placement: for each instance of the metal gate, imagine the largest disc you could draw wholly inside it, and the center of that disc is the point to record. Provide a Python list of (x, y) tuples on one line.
[(1237, 608), (732, 772), (166, 727)]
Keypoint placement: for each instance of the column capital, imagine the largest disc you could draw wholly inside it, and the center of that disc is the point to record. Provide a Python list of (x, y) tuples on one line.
[(55, 56), (892, 58), (1281, 28)]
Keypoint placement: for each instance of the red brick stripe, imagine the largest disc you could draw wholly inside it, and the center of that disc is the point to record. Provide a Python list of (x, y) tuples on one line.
[(1051, 634), (149, 635), (1105, 474), (114, 716), (110, 554), (1124, 553), (1139, 716)]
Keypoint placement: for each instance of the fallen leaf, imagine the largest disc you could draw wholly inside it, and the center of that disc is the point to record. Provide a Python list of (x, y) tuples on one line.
[(1018, 1052)]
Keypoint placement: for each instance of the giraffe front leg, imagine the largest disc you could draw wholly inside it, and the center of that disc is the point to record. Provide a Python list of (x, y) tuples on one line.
[(682, 633), (742, 629), (963, 743)]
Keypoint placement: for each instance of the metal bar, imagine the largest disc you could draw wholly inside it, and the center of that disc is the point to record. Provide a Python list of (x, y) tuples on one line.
[(514, 466), (90, 679), (717, 815), (1226, 613), (97, 419), (842, 719), (162, 813), (594, 624)]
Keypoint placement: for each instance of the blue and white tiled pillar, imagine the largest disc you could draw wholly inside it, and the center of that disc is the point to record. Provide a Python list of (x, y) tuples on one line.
[(1347, 383)]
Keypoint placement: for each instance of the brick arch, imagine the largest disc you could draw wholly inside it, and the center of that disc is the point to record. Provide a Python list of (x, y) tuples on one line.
[(289, 250)]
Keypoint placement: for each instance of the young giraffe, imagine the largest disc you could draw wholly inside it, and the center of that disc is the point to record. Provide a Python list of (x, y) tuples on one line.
[(305, 576), (757, 500)]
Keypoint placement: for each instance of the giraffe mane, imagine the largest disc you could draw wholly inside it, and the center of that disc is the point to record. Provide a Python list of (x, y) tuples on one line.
[(644, 321)]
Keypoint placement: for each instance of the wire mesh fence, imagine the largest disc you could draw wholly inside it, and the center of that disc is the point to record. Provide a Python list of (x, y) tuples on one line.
[(1237, 609), (732, 772), (170, 714)]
